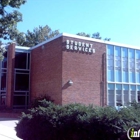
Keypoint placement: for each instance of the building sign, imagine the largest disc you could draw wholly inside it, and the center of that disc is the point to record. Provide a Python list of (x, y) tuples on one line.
[(79, 46)]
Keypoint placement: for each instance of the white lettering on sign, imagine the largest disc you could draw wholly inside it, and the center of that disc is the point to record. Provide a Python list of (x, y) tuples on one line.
[(79, 46)]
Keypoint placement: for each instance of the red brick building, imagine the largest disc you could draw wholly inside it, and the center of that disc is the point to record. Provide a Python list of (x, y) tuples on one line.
[(68, 68)]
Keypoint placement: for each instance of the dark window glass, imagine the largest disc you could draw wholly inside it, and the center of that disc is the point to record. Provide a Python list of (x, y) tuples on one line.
[(2, 100), (28, 60), (21, 93), (138, 96), (22, 71), (126, 97), (4, 70), (118, 97), (20, 60), (111, 97), (3, 81), (22, 82), (27, 101), (19, 100), (4, 62)]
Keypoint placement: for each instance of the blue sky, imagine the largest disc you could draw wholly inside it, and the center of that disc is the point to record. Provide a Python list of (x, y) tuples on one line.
[(116, 19)]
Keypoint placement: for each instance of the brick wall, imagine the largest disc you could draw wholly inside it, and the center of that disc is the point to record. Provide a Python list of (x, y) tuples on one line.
[(46, 70), (53, 66), (87, 73), (10, 75)]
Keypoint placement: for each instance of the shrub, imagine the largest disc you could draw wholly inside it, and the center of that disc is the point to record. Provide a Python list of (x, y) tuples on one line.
[(76, 122), (38, 100)]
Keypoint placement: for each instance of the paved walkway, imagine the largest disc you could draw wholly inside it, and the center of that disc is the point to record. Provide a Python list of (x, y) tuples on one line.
[(7, 129)]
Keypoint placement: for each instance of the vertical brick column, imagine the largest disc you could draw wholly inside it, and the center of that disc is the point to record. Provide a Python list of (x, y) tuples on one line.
[(10, 74), (104, 81)]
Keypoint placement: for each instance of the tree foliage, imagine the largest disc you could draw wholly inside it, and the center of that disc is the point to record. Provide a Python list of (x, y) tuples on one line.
[(38, 100), (38, 35), (94, 35), (2, 51), (77, 122), (83, 34), (9, 17)]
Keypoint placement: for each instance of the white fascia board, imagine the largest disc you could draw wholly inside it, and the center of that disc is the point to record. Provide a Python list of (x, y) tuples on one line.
[(44, 42), (22, 48), (86, 39), (18, 47), (67, 35), (122, 45), (102, 41)]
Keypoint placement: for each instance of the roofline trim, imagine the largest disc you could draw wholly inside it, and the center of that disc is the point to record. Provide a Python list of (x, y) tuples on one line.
[(101, 41), (44, 42), (86, 38), (22, 47)]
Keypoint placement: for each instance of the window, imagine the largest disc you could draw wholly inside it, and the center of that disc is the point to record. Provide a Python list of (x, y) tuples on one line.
[(132, 77), (133, 92), (20, 60), (131, 65), (117, 58), (110, 62), (4, 62), (138, 61), (110, 50), (126, 94), (117, 64), (137, 66), (125, 63), (118, 95), (118, 76), (138, 96), (3, 75), (110, 75), (110, 56), (123, 71), (111, 94), (3, 81), (20, 101), (28, 60), (126, 97), (22, 82), (124, 76), (2, 98), (122, 94), (111, 97)]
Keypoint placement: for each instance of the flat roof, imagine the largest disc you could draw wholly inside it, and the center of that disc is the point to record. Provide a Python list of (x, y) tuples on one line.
[(22, 47), (88, 39), (18, 47)]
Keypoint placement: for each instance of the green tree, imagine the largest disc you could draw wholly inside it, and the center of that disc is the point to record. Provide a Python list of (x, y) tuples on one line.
[(38, 35), (9, 17), (2, 51), (107, 39), (94, 35), (83, 34)]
